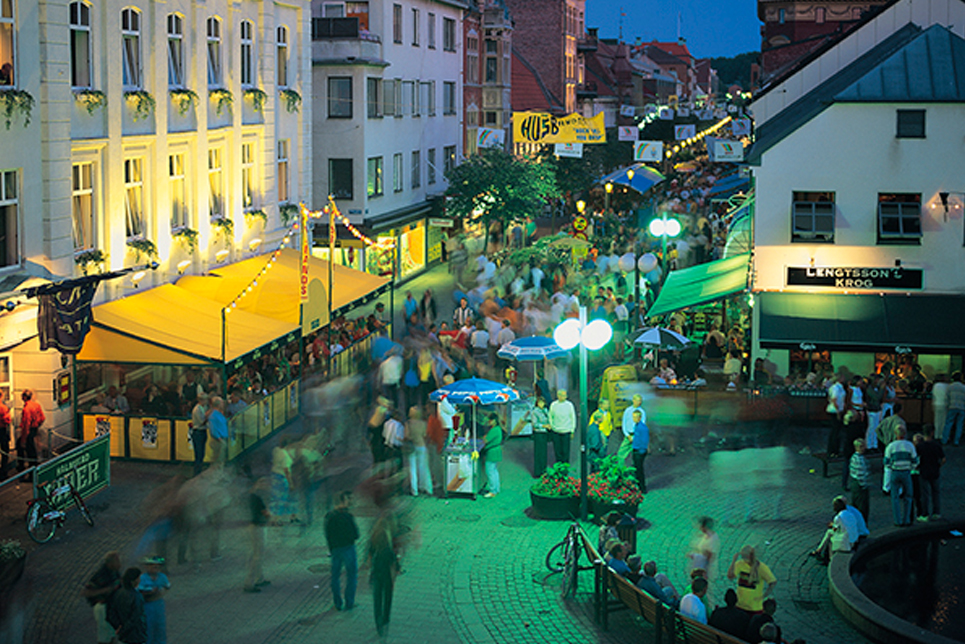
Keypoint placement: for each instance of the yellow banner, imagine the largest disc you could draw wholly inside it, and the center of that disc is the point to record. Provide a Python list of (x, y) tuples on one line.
[(540, 127), (306, 254)]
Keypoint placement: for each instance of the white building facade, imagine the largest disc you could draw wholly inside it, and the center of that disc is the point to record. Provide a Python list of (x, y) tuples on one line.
[(165, 131), (387, 121), (859, 227)]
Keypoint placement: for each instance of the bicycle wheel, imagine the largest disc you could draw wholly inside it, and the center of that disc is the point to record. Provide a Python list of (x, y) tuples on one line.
[(556, 557), (39, 528), (569, 568), (79, 500)]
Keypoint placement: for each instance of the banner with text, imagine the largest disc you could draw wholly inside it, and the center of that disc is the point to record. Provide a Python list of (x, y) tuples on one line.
[(682, 132), (648, 151), (741, 127), (628, 110), (628, 133), (571, 150), (540, 127), (88, 467), (490, 138), (721, 151)]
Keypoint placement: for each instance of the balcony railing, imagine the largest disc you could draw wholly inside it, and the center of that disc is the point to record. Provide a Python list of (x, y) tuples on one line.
[(326, 28)]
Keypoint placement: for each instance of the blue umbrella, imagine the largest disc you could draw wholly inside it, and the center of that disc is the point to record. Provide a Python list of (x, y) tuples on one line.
[(475, 391), (532, 349), (381, 346), (644, 177)]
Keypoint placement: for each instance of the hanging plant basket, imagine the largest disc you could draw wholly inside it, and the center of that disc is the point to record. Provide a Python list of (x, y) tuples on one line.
[(188, 238), (143, 248), (16, 101), (257, 98), (288, 212), (183, 99), (90, 99), (292, 99), (251, 216), (141, 102), (225, 227), (88, 258), (223, 99)]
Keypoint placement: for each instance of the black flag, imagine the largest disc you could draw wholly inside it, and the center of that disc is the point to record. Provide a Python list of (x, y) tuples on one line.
[(65, 315)]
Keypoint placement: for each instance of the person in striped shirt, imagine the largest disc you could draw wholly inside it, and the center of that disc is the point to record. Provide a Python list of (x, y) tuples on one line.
[(901, 457), (860, 478)]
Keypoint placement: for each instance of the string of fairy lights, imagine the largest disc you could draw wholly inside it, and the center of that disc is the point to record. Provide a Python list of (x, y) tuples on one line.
[(698, 137), (306, 214)]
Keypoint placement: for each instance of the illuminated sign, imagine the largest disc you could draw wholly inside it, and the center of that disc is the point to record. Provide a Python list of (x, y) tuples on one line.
[(853, 277)]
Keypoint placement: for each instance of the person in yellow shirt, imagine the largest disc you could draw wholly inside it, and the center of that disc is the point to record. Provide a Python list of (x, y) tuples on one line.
[(754, 580)]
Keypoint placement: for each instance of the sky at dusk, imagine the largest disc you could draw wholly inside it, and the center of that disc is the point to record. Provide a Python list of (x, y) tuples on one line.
[(711, 27)]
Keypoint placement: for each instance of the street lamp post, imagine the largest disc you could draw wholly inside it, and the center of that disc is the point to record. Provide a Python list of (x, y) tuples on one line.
[(664, 228), (609, 188), (592, 336)]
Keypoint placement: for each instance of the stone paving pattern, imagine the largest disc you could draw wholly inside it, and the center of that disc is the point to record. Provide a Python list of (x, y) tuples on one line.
[(474, 572)]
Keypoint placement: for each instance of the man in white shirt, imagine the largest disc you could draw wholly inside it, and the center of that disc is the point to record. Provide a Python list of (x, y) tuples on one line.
[(842, 533), (836, 397), (627, 445), (692, 604), (446, 410), (390, 375), (562, 425)]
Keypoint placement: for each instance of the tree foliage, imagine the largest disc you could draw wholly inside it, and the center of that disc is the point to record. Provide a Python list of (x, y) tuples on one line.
[(735, 70), (575, 176), (493, 185)]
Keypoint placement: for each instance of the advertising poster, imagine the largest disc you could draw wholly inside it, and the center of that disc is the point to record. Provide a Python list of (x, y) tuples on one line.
[(682, 132), (103, 426), (741, 127), (648, 151), (570, 150), (149, 433), (628, 133)]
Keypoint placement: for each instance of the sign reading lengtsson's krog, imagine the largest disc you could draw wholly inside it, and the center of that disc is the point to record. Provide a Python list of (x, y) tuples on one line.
[(855, 277)]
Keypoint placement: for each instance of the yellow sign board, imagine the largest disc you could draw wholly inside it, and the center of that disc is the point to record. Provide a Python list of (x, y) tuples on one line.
[(540, 127)]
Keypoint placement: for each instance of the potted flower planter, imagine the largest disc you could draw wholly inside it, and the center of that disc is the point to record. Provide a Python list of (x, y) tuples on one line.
[(554, 507), (600, 508)]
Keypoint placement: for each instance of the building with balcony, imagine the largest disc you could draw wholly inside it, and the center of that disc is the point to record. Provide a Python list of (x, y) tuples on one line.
[(487, 75), (388, 97), (165, 131), (858, 230)]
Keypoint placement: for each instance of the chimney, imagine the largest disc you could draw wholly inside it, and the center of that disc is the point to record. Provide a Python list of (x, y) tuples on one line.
[(591, 33)]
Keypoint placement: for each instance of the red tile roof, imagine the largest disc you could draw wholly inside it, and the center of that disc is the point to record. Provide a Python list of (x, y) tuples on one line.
[(529, 91)]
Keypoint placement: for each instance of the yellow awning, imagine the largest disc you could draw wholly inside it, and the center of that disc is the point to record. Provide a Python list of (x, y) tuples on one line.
[(103, 345), (176, 317)]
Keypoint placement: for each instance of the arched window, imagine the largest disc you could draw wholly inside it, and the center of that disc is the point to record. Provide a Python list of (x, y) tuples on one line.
[(214, 53), (80, 41), (131, 47)]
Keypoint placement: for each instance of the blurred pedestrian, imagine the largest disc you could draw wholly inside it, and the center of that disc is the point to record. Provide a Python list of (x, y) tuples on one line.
[(218, 427), (199, 431), (98, 591), (31, 419), (341, 533), (705, 548), (126, 610), (6, 422), (258, 518), (492, 454), (931, 459), (415, 436), (384, 567), (153, 585)]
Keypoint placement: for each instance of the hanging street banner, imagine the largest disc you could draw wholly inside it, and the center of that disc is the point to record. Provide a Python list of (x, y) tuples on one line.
[(64, 316), (722, 151), (540, 127), (628, 110), (666, 113), (490, 138), (683, 111), (682, 132), (741, 127), (648, 151), (571, 150), (87, 467), (307, 251), (628, 133)]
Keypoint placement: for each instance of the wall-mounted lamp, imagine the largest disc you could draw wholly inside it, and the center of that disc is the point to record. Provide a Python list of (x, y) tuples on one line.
[(183, 266), (222, 254), (254, 244), (137, 277)]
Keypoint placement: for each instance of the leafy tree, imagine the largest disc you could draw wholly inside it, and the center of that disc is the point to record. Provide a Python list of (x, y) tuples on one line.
[(495, 186), (735, 70)]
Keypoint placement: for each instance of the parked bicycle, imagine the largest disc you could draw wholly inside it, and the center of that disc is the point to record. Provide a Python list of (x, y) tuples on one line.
[(43, 519), (565, 557)]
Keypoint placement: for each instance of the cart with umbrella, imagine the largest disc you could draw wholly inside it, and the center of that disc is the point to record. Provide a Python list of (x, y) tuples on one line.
[(462, 451), (660, 338), (531, 349)]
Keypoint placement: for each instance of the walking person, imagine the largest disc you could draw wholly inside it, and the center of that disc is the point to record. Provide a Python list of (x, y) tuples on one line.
[(341, 533), (153, 585), (626, 446), (939, 402), (98, 591), (218, 426), (259, 516), (415, 436), (641, 446), (562, 416), (384, 567), (6, 422), (931, 459), (540, 419), (31, 419), (492, 454), (955, 418), (126, 611), (901, 458), (859, 479), (199, 431)]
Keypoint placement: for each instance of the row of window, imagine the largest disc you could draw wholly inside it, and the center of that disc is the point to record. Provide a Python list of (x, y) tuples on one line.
[(898, 218), (389, 97), (415, 25), (341, 172), (85, 198), (491, 72), (81, 42)]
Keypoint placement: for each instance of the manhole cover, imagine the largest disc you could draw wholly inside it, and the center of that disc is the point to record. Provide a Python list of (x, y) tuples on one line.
[(518, 521), (320, 569), (807, 606), (468, 518)]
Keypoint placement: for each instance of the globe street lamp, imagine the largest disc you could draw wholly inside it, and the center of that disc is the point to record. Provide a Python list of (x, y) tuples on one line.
[(664, 228), (592, 336)]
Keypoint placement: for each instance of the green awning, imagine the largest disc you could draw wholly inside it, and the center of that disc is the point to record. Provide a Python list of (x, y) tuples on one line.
[(893, 323), (701, 284)]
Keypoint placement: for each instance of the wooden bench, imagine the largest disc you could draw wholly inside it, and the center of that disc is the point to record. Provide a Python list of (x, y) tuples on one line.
[(825, 459), (693, 632)]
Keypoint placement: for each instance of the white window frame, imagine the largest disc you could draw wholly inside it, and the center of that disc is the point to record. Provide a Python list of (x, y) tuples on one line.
[(431, 166), (374, 186), (178, 187), (388, 97), (281, 54), (133, 76), (214, 52), (397, 24), (10, 191), (415, 27), (282, 155), (805, 216), (448, 34), (80, 24), (449, 101), (83, 193), (449, 159), (431, 31), (175, 27), (249, 177), (135, 215), (216, 191), (373, 97), (902, 212), (416, 169), (398, 172), (246, 32), (9, 23)]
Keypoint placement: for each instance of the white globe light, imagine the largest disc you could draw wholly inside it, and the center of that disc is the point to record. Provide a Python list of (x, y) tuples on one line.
[(627, 262), (596, 334), (647, 263), (656, 227), (567, 334), (673, 228), (614, 264)]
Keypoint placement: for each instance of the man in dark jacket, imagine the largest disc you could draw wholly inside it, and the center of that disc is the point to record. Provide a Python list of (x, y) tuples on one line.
[(730, 618), (341, 532), (126, 610)]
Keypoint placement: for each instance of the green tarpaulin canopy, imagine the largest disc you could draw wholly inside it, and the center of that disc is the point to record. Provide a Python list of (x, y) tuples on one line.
[(701, 284)]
